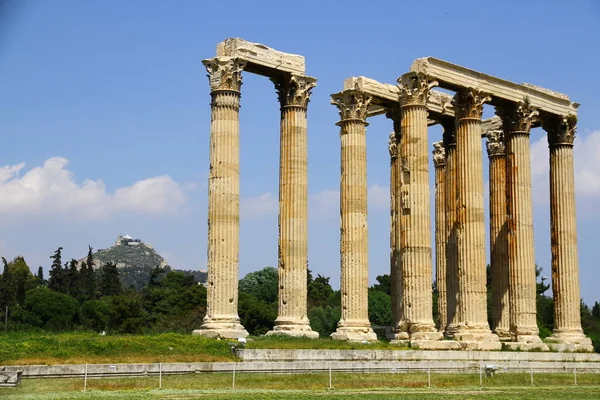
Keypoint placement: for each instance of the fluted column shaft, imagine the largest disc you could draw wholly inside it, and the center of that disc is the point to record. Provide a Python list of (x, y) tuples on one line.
[(439, 161), (292, 317), (517, 120), (450, 231), (354, 323), (395, 273), (498, 235), (563, 230), (470, 227), (222, 318)]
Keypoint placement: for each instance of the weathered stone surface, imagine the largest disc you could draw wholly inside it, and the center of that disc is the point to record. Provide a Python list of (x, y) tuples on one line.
[(565, 258), (498, 234), (260, 58), (10, 378), (222, 318), (456, 77), (439, 162), (354, 324), (292, 319)]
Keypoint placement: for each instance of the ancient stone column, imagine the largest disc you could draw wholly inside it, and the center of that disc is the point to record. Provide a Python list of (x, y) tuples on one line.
[(222, 320), (517, 120), (354, 323), (450, 231), (565, 260), (292, 320), (395, 273), (498, 235), (414, 212), (439, 162), (472, 324)]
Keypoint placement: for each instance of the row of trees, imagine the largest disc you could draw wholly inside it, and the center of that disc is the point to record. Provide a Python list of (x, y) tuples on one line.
[(78, 296)]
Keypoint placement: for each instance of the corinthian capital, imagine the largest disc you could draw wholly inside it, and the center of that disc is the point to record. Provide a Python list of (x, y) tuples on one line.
[(560, 128), (468, 103), (495, 143), (439, 154), (353, 104), (294, 91), (517, 117), (414, 88), (224, 73)]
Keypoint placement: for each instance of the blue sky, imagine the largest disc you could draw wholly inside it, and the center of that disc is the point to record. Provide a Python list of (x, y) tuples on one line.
[(104, 116)]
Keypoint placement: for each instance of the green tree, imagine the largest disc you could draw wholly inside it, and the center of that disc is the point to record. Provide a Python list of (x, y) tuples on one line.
[(256, 315), (596, 310), (319, 292), (109, 284), (58, 279), (324, 319), (56, 311), (40, 276), (126, 313), (15, 281), (383, 284), (95, 314), (87, 278), (261, 284), (380, 308)]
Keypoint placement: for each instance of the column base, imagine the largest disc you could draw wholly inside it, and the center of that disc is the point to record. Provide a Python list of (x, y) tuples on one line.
[(221, 329), (476, 338), (569, 341), (503, 334), (354, 333), (289, 328), (526, 343)]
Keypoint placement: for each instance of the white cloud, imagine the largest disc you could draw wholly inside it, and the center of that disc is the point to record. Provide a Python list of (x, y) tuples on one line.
[(52, 189), (259, 206), (587, 167)]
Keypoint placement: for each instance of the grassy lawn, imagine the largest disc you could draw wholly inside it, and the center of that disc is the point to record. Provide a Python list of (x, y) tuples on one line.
[(79, 348), (310, 386), (89, 347)]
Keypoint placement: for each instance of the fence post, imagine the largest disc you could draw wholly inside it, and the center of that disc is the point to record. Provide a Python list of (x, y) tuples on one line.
[(233, 381), (575, 374), (480, 374), (160, 375), (428, 375), (531, 373), (85, 378), (330, 386)]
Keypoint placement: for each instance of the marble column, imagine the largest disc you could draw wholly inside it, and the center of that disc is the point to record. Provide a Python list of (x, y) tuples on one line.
[(395, 273), (439, 162), (414, 212), (292, 320), (354, 324), (472, 323), (498, 235), (222, 320), (517, 120), (565, 260), (450, 231)]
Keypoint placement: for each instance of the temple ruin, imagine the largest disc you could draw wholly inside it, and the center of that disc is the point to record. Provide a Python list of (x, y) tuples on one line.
[(412, 105)]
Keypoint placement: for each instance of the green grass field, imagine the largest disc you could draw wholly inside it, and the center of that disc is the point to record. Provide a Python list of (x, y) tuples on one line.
[(89, 347), (311, 386)]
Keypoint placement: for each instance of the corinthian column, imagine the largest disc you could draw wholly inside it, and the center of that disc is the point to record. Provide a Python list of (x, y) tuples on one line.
[(517, 120), (565, 261), (222, 320), (439, 161), (292, 320), (354, 324), (472, 324), (498, 234), (414, 211), (450, 231)]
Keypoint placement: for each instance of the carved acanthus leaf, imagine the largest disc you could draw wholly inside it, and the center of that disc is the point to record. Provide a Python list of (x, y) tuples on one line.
[(352, 104), (468, 103), (224, 73), (295, 91), (495, 143), (439, 154), (517, 117), (414, 88), (561, 129)]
